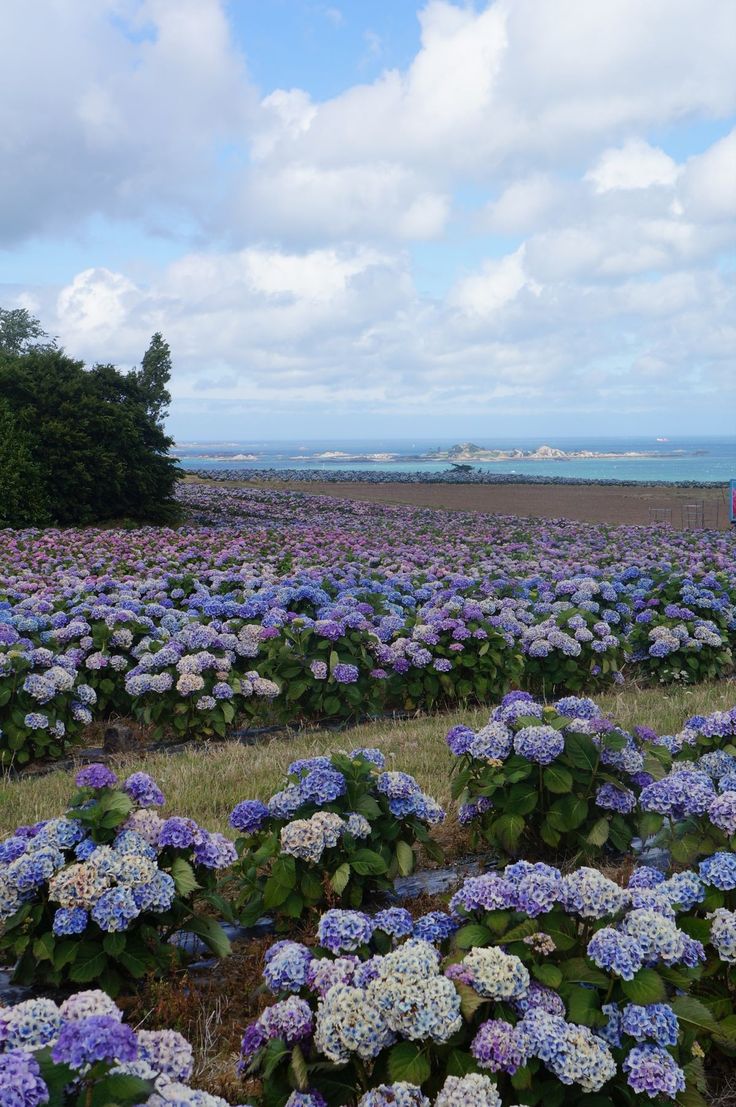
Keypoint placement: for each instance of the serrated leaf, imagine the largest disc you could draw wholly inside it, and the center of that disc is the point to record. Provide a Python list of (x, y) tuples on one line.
[(598, 833), (211, 933), (183, 876), (404, 857), (470, 1001), (89, 963), (471, 935), (366, 862), (340, 878), (646, 987), (298, 1069), (408, 1062), (121, 1090), (548, 974), (557, 779)]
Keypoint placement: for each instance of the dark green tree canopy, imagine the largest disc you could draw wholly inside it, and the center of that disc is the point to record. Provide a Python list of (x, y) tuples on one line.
[(87, 439), (154, 375)]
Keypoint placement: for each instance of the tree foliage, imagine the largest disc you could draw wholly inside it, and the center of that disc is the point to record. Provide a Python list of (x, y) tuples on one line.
[(88, 440), (20, 332), (22, 495), (153, 376)]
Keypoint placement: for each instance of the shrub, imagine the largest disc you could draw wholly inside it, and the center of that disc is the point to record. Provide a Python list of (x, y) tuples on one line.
[(574, 650), (45, 704), (555, 989), (692, 810), (703, 734), (676, 646), (342, 827), (326, 667), (452, 654), (562, 777), (96, 894), (81, 1053), (190, 683)]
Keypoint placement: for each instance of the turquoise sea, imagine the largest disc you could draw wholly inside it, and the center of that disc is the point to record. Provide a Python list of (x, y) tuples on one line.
[(677, 459)]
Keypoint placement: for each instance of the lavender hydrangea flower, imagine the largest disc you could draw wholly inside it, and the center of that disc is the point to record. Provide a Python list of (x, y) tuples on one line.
[(21, 1084), (542, 744), (144, 791), (656, 1021), (654, 1072), (248, 816), (719, 871), (500, 1047), (97, 1038), (344, 931), (96, 776)]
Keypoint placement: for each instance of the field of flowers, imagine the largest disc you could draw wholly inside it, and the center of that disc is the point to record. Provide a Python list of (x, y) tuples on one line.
[(275, 606), (589, 962)]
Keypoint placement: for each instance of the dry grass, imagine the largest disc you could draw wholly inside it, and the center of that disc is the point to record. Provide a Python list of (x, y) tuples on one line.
[(205, 783)]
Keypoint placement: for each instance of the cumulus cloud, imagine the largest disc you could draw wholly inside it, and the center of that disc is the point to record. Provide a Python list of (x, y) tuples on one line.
[(580, 263), (116, 107), (634, 165)]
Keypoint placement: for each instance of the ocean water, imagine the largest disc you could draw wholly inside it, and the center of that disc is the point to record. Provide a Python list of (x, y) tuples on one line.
[(677, 459)]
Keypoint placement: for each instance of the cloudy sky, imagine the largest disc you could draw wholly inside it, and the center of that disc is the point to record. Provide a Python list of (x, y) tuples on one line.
[(383, 217)]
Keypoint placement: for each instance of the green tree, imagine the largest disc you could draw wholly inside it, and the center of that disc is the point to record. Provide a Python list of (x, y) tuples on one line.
[(154, 375), (20, 332), (22, 496), (100, 452)]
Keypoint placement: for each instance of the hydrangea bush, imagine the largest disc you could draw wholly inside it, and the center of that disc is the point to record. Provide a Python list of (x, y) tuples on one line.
[(341, 827), (191, 683), (674, 644), (692, 810), (44, 705), (536, 988), (561, 777), (349, 608), (96, 894), (574, 649), (80, 1053)]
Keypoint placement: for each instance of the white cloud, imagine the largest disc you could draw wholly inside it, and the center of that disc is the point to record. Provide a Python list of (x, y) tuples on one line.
[(494, 286), (634, 165), (526, 119), (709, 186)]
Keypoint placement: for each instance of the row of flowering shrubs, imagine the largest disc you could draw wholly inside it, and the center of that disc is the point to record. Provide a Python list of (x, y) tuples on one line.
[(97, 893), (534, 986), (340, 611)]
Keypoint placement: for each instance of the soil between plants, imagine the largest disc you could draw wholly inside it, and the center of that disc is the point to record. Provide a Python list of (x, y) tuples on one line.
[(588, 503)]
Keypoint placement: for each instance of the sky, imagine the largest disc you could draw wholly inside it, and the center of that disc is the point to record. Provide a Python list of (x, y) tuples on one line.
[(382, 217)]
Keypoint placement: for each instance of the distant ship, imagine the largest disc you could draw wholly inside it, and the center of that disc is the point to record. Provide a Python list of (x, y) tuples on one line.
[(663, 440)]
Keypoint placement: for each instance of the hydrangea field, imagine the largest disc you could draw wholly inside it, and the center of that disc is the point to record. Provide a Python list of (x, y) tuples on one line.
[(589, 960), (273, 606)]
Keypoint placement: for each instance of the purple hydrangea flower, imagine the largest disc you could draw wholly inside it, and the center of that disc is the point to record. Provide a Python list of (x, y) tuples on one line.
[(96, 776), (144, 791), (654, 1072), (97, 1038), (249, 816)]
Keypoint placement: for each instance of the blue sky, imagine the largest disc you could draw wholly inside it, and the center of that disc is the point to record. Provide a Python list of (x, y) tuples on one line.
[(388, 218)]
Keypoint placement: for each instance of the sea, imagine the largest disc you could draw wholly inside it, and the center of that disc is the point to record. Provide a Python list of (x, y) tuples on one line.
[(673, 459)]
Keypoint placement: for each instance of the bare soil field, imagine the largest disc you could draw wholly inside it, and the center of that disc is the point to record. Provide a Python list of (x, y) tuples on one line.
[(590, 503)]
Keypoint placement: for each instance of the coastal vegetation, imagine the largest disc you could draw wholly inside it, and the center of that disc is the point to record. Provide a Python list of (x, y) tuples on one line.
[(80, 445)]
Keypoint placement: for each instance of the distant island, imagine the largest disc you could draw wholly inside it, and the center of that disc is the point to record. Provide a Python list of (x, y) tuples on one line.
[(468, 452)]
